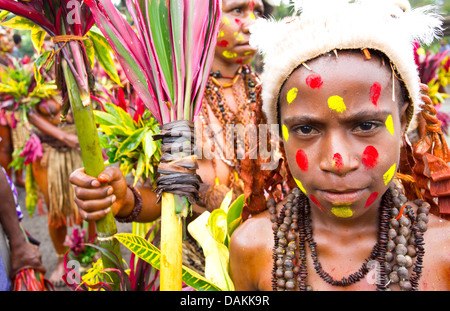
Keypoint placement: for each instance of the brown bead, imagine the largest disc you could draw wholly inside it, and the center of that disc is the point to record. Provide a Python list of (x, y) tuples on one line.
[(400, 249), (394, 223), (390, 245), (281, 283), (279, 273), (405, 285), (392, 233), (422, 226), (400, 240), (394, 277), (389, 256), (404, 221), (402, 272), (404, 231), (411, 251), (289, 274), (290, 285), (422, 217), (409, 261), (401, 260)]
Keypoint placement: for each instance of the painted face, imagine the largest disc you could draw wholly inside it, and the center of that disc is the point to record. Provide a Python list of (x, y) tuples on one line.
[(233, 39), (342, 132)]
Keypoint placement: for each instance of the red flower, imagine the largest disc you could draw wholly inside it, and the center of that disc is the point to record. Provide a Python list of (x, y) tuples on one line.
[(32, 149)]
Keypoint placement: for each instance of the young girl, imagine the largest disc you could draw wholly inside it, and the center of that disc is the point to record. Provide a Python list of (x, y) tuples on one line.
[(341, 82)]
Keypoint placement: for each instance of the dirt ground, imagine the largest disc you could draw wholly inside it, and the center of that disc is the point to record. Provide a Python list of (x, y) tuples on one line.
[(37, 227)]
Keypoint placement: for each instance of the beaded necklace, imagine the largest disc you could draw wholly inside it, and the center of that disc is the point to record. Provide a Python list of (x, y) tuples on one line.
[(400, 238), (243, 87)]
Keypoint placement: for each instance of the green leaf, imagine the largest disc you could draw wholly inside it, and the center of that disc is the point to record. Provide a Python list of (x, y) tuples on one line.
[(37, 38), (234, 214), (103, 53), (151, 254), (132, 142), (217, 225), (20, 23), (226, 201), (149, 145), (121, 115), (139, 169), (105, 118), (3, 14), (216, 254), (90, 52), (160, 28)]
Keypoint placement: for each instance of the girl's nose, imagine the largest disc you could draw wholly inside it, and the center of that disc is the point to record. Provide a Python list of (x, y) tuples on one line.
[(338, 159), (247, 21)]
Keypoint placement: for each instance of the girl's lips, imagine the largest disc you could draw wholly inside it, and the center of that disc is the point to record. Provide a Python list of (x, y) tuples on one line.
[(341, 197)]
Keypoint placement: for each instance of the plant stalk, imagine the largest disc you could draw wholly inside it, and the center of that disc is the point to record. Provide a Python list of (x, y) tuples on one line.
[(93, 164), (171, 243)]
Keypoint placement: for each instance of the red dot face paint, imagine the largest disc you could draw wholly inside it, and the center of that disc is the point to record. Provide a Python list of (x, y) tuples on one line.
[(370, 157), (371, 199), (375, 92), (238, 21), (338, 161), (314, 81), (251, 5), (239, 61), (302, 160), (223, 43)]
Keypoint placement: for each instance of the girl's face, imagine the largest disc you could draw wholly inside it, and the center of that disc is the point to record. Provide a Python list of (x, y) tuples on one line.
[(342, 131), (233, 39)]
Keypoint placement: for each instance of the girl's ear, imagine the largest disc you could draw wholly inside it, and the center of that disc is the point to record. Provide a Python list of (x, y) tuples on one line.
[(403, 118)]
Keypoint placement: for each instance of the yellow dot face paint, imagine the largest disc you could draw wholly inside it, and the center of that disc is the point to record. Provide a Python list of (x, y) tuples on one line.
[(229, 54), (292, 95), (342, 211), (221, 34), (285, 133), (252, 16), (337, 103), (387, 177), (225, 20), (238, 36), (300, 185), (390, 124)]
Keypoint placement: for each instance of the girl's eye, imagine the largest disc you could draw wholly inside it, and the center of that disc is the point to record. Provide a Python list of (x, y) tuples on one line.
[(306, 130), (236, 10), (366, 126)]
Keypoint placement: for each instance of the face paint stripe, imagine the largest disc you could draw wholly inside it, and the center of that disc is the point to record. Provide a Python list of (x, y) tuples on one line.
[(229, 54), (370, 157), (285, 133), (371, 199), (292, 95), (342, 211), (302, 160), (387, 177), (375, 92), (300, 185), (314, 81), (315, 201), (337, 103), (390, 124)]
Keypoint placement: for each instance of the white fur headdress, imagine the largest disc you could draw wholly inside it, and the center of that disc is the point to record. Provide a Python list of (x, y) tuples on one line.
[(321, 26)]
